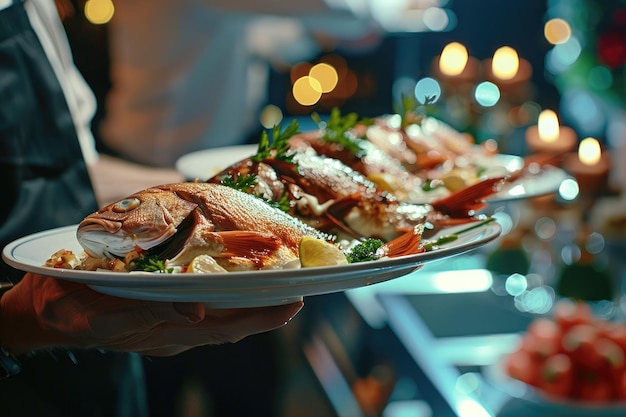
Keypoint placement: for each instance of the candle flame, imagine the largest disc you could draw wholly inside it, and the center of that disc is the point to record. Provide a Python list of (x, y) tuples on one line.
[(589, 151), (548, 126), (505, 63), (453, 59)]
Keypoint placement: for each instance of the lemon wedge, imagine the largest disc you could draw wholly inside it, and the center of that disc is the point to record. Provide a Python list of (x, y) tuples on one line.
[(203, 264), (316, 252)]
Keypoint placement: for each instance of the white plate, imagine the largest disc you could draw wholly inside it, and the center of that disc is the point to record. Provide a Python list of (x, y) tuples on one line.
[(204, 164), (232, 289), (546, 181)]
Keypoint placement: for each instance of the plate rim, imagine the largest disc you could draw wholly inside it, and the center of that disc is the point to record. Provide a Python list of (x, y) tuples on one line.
[(481, 236)]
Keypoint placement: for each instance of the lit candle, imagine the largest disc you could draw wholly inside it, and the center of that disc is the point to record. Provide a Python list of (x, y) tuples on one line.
[(453, 59), (507, 70), (455, 66), (505, 63), (590, 166), (549, 137)]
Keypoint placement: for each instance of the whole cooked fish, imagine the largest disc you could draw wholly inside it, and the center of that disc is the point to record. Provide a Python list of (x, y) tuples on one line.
[(328, 195), (181, 221)]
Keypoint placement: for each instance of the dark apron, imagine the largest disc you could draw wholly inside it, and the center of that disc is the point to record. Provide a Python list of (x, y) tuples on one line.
[(45, 184)]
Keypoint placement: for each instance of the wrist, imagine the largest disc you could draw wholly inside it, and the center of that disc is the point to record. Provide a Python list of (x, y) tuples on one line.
[(9, 365)]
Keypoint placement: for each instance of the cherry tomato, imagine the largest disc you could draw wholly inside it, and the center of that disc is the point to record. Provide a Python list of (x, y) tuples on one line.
[(621, 386), (593, 387), (521, 366), (580, 343), (617, 333), (568, 313), (543, 338), (610, 352), (557, 376)]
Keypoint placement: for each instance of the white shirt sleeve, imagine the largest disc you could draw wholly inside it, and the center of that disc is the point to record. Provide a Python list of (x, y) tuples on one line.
[(80, 99)]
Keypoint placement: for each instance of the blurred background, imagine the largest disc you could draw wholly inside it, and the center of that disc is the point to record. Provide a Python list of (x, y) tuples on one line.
[(418, 346)]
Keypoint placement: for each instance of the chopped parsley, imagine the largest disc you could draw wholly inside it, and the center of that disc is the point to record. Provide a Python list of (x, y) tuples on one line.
[(366, 250)]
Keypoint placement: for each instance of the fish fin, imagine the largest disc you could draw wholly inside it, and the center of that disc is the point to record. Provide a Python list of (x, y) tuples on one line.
[(466, 202), (407, 243), (248, 244), (256, 247)]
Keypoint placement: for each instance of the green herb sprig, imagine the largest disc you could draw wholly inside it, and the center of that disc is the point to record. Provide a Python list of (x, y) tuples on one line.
[(411, 110), (337, 128), (366, 250), (432, 245), (278, 148), (240, 182), (282, 204), (151, 263)]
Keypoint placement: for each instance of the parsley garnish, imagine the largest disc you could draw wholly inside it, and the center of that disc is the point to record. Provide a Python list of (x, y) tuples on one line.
[(336, 129), (366, 250), (239, 182), (151, 264), (282, 204), (410, 108), (279, 147)]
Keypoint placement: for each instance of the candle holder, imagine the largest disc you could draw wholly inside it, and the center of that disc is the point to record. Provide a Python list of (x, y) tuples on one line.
[(565, 142), (592, 179)]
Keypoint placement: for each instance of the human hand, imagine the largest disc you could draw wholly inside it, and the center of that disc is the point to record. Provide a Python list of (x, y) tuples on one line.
[(42, 312)]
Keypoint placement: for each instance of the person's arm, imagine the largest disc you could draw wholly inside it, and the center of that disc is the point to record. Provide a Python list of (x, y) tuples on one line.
[(42, 312), (115, 178)]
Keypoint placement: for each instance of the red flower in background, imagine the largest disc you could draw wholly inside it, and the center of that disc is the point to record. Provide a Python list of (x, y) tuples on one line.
[(612, 42)]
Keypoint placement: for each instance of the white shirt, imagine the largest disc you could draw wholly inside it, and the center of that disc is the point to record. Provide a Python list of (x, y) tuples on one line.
[(45, 20), (186, 76)]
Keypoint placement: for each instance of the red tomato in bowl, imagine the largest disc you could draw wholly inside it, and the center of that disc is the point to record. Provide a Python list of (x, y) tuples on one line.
[(593, 387), (579, 342), (557, 376), (568, 313), (522, 366), (542, 338)]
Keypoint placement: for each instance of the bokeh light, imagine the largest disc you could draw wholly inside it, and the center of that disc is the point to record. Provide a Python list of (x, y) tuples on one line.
[(589, 151), (307, 91), (427, 87), (562, 56), (453, 59), (569, 190), (505, 63), (548, 126), (487, 94), (326, 75), (270, 116), (99, 12), (557, 31), (436, 19)]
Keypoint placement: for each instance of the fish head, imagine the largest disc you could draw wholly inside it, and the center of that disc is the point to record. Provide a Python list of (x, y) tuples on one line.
[(142, 220)]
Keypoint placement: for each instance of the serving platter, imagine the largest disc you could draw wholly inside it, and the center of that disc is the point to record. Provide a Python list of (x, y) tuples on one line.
[(234, 289), (204, 164)]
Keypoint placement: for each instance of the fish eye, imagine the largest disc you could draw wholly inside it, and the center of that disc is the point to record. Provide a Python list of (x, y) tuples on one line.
[(126, 205)]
